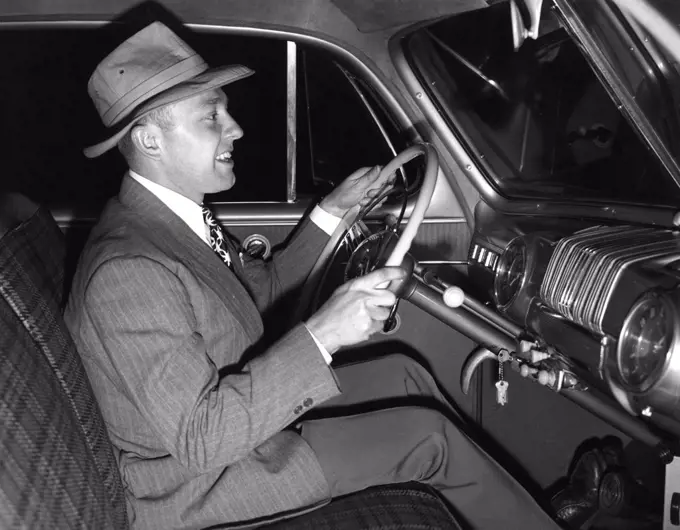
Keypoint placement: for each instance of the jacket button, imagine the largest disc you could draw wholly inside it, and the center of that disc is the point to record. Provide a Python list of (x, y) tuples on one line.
[(297, 409), (308, 402)]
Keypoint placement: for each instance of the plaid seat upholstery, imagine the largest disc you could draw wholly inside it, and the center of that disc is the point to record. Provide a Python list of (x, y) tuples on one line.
[(409, 506), (57, 468)]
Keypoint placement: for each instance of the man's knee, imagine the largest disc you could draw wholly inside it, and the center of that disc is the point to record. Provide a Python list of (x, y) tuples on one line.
[(418, 380), (406, 372), (428, 440)]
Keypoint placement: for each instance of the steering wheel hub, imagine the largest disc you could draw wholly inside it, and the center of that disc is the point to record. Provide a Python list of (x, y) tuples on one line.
[(371, 254)]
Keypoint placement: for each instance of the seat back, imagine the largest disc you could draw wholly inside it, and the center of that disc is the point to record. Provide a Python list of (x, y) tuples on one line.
[(57, 465)]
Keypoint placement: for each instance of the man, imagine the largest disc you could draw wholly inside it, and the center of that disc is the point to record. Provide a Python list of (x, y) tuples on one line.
[(164, 324)]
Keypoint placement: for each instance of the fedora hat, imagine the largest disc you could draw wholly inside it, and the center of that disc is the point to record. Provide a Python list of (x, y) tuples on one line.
[(151, 69)]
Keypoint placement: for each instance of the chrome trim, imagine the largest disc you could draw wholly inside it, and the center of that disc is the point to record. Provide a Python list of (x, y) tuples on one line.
[(442, 262), (592, 261), (241, 214), (370, 109), (528, 266), (607, 348), (291, 121), (471, 364), (257, 239)]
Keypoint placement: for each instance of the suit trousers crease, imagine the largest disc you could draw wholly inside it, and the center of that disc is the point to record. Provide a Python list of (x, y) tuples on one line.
[(413, 443)]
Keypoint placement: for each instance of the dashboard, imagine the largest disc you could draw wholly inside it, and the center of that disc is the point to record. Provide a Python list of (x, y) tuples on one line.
[(603, 300)]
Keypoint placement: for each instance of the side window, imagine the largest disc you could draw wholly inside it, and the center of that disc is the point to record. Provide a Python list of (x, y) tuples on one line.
[(48, 118), (340, 124)]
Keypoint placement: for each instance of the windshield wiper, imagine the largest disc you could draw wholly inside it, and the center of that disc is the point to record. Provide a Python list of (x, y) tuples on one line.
[(462, 60)]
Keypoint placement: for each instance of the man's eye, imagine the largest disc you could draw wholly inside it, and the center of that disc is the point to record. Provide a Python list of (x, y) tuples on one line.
[(212, 116)]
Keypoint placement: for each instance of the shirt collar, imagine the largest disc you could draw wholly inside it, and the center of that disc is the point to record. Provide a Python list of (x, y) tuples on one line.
[(186, 209)]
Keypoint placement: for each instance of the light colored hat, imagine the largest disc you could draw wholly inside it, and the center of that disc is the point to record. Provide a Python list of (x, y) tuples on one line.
[(151, 69)]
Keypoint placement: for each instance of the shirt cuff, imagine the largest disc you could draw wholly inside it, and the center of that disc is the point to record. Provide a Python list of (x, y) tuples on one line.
[(324, 220), (326, 356)]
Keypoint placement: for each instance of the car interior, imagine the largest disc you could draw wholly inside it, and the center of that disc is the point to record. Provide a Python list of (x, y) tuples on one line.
[(535, 212)]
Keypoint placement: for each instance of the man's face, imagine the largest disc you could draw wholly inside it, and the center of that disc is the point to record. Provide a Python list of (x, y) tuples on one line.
[(196, 154)]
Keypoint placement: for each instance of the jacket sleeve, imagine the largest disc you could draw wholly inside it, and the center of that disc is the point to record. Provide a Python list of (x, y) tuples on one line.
[(288, 268), (142, 314)]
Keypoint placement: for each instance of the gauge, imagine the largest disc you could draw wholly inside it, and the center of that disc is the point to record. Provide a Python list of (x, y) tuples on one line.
[(510, 273), (645, 340)]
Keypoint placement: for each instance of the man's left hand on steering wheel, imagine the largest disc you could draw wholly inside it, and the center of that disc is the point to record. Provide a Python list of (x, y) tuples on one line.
[(357, 190)]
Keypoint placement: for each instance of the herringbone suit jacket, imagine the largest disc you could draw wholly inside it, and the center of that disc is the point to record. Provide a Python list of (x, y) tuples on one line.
[(163, 327)]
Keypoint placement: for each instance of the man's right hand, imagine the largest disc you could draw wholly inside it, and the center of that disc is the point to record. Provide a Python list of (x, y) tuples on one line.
[(355, 311)]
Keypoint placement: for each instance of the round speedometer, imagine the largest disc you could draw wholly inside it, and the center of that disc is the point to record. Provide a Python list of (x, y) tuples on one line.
[(645, 340), (510, 273)]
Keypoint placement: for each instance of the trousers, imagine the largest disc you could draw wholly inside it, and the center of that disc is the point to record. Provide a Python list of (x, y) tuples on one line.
[(394, 442)]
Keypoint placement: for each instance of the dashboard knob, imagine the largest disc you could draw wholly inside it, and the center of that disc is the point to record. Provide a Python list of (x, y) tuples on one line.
[(546, 378), (454, 297)]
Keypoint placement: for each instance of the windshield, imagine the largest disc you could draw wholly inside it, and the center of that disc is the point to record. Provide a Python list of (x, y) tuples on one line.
[(539, 120)]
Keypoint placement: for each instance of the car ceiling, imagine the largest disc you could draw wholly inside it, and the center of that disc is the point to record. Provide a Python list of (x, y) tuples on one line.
[(333, 17)]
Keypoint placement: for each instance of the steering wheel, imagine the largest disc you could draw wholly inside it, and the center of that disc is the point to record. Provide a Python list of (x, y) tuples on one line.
[(352, 218)]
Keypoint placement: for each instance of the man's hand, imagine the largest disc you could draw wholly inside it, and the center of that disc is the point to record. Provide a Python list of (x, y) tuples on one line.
[(355, 311), (357, 190)]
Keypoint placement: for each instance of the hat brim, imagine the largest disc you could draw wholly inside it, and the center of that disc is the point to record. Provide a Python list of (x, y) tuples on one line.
[(208, 80)]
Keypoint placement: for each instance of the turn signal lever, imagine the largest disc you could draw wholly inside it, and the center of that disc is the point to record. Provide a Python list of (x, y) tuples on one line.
[(483, 325)]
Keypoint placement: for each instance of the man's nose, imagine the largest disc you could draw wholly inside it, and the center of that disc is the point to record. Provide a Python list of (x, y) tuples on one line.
[(232, 129)]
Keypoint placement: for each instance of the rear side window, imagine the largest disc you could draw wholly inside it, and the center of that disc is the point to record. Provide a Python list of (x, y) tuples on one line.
[(48, 116)]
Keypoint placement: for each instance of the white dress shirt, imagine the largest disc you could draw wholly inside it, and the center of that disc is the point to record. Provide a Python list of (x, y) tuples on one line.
[(192, 214)]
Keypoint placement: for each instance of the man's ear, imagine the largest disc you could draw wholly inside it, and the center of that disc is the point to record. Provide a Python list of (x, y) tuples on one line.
[(147, 140)]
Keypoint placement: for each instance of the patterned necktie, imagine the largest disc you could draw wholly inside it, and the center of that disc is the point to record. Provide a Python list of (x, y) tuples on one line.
[(217, 241)]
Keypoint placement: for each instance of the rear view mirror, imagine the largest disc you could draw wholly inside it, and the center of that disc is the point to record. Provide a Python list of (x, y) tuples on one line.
[(525, 16)]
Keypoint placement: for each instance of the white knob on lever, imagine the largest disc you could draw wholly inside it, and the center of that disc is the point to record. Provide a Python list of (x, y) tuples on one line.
[(454, 297)]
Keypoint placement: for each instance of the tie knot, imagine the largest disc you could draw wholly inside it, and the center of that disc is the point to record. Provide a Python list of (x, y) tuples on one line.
[(217, 237), (208, 216)]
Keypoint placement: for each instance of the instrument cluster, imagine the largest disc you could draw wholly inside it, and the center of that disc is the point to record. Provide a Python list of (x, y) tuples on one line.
[(518, 275), (615, 283)]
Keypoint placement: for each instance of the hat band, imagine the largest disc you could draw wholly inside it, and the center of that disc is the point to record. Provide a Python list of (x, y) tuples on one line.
[(171, 76)]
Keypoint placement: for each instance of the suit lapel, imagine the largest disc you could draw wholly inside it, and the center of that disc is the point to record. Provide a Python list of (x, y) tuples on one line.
[(175, 237)]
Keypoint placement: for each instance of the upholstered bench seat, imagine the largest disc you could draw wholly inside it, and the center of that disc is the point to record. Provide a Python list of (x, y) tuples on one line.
[(406, 506)]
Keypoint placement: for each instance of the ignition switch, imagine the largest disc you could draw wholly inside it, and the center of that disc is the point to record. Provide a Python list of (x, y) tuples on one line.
[(257, 246)]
